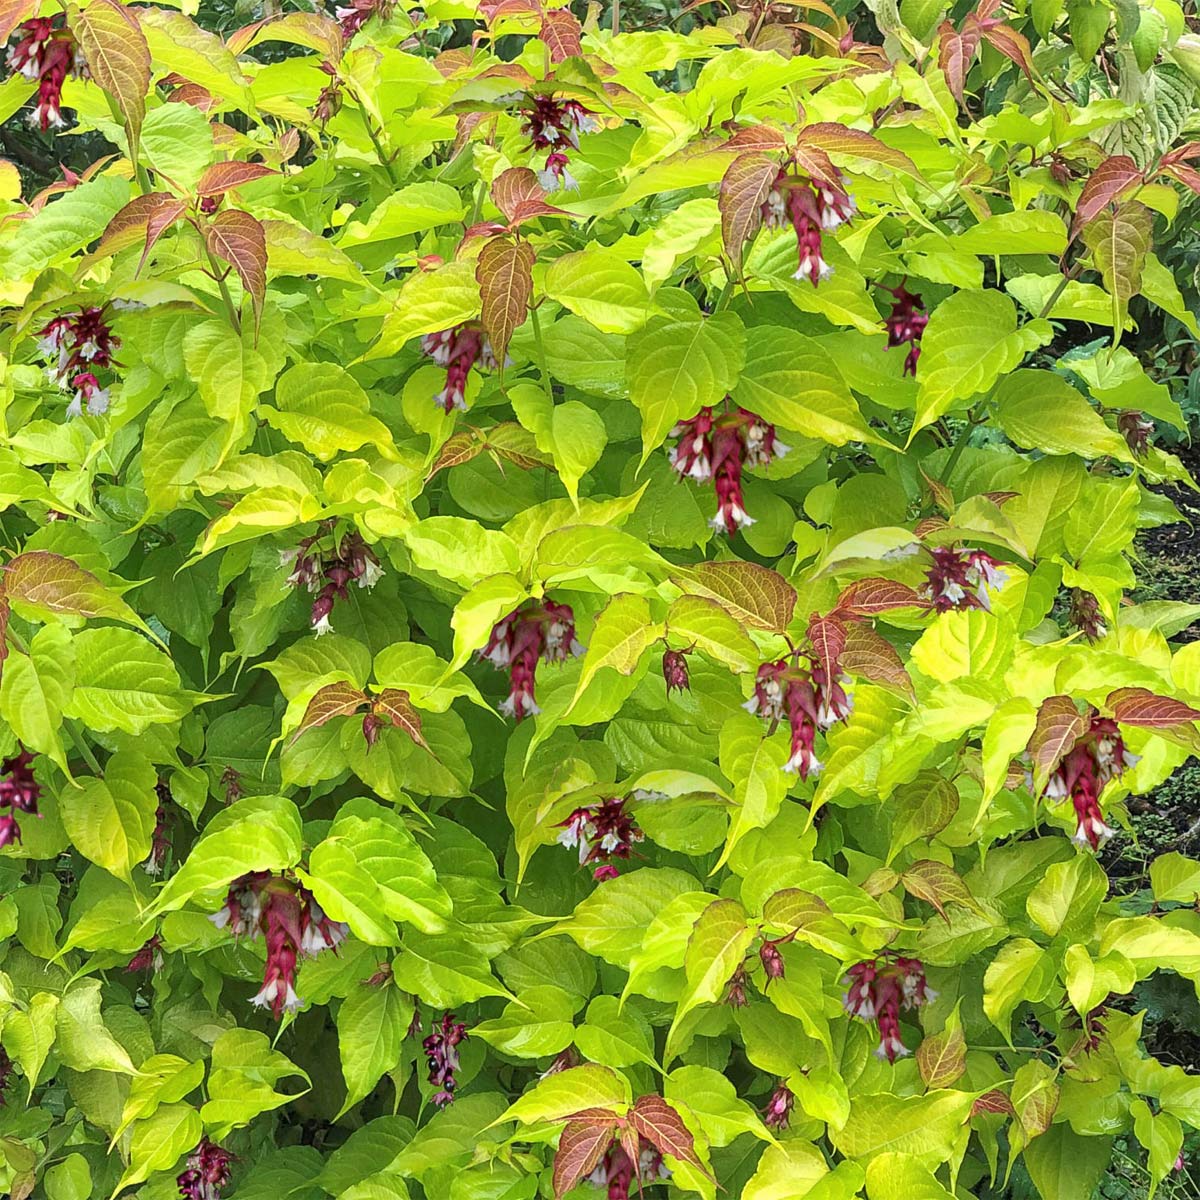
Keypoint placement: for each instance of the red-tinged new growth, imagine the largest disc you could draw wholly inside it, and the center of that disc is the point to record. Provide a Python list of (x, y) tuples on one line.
[(328, 567), (293, 924), (79, 344), (6, 1074), (19, 792), (160, 843), (601, 832), (617, 1172), (536, 630), (330, 98), (46, 51), (441, 1049), (206, 1172), (1136, 429), (960, 578), (778, 1112), (1085, 615), (554, 125), (675, 671), (906, 324), (807, 700), (1098, 757), (878, 990), (771, 959), (356, 14), (718, 448), (810, 208), (458, 350)]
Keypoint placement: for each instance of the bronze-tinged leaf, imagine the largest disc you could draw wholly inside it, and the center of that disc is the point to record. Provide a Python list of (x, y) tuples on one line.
[(239, 239), (756, 139), (458, 449), (816, 164), (505, 276), (118, 59), (1107, 183), (1188, 176), (870, 597), (827, 636), (955, 53), (662, 1126), (13, 12), (921, 809), (60, 585), (193, 94), (396, 706), (220, 177), (1141, 707), (562, 34), (937, 884), (927, 525), (744, 189), (333, 700), (994, 1101), (515, 444), (313, 30), (942, 1058), (144, 219), (881, 880), (1119, 240), (1036, 1110), (580, 1147), (869, 655), (943, 497), (4, 615), (518, 195), (1013, 45), (752, 595), (793, 908), (1059, 726), (838, 140), (1000, 499)]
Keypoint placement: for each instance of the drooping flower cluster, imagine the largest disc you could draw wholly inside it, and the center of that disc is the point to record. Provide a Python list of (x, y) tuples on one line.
[(771, 959), (148, 958), (79, 344), (959, 578), (554, 125), (160, 843), (441, 1049), (879, 989), (356, 14), (735, 989), (535, 630), (293, 924), (1136, 429), (458, 350), (46, 51), (617, 1172), (905, 325), (675, 671), (778, 1112), (807, 700), (718, 448), (1085, 615), (206, 1172), (602, 832), (19, 792), (1097, 757), (810, 208), (330, 98), (328, 567)]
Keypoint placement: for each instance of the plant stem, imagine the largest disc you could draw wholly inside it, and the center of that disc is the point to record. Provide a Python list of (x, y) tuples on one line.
[(230, 308), (384, 161), (959, 447), (616, 17), (540, 346), (82, 746), (1069, 277)]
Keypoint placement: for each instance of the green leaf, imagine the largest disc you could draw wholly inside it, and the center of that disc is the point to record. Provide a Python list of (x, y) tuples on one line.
[(412, 209), (160, 1141), (1063, 1164), (1173, 878), (791, 381), (971, 340), (111, 820), (82, 1039), (348, 893), (428, 302), (716, 948), (1067, 899), (1021, 972), (573, 434), (1039, 410), (445, 970), (178, 144), (892, 1175), (622, 634), (755, 762), (34, 689), (571, 1091), (681, 363), (710, 629), (372, 1025), (535, 1026), (926, 1127), (1119, 241), (123, 682), (321, 407), (600, 287)]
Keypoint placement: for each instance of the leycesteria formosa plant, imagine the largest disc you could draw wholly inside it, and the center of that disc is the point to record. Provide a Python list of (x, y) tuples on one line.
[(571, 610)]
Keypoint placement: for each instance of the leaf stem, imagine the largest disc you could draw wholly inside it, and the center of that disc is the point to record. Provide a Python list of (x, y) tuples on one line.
[(384, 161), (230, 308), (81, 745), (959, 446), (1069, 277), (540, 346)]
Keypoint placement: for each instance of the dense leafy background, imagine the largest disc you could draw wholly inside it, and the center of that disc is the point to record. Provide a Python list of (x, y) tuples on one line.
[(270, 388)]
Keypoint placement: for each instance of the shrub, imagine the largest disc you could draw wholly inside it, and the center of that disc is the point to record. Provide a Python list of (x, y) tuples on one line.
[(566, 622)]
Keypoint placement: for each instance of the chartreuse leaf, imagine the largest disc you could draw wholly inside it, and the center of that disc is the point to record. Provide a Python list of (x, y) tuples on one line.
[(754, 762), (573, 434), (35, 688), (622, 634), (111, 820), (1021, 972), (372, 1024), (82, 1040), (971, 340), (535, 1026), (893, 1174), (797, 1164), (571, 1091), (242, 1075), (601, 288), (925, 1127), (160, 1141)]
